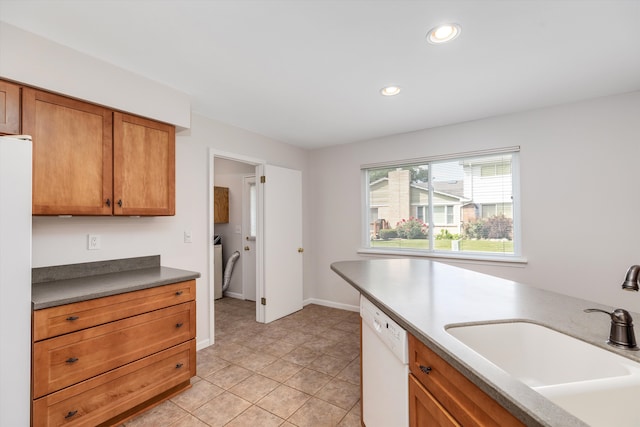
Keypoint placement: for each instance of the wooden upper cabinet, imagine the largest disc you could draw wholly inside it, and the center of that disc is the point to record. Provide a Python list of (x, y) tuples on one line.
[(143, 166), (72, 154), (9, 108), (89, 160), (220, 205)]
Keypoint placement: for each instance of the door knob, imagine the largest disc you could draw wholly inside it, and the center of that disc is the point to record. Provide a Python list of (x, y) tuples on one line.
[(247, 248), (300, 250)]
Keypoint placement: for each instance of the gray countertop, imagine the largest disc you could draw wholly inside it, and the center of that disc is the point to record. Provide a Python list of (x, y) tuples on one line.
[(53, 286), (425, 297)]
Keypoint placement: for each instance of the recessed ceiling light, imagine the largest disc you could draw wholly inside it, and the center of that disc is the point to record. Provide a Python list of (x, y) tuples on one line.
[(443, 33), (390, 90)]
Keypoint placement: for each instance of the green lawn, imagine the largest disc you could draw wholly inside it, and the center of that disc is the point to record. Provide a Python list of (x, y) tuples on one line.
[(445, 245)]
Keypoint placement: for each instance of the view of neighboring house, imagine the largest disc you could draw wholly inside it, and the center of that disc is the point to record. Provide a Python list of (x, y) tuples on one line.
[(463, 192)]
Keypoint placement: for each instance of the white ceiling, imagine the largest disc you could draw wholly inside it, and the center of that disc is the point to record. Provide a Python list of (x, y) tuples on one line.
[(308, 72)]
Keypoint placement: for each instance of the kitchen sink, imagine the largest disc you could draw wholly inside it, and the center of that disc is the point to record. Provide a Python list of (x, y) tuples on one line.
[(539, 356), (590, 382), (605, 402)]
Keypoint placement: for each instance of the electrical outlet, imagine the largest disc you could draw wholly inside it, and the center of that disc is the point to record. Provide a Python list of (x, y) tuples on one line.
[(93, 242)]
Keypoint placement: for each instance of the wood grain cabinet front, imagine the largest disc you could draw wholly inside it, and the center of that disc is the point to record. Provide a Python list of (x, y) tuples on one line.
[(9, 108), (91, 402), (220, 205), (106, 359), (441, 396), (63, 319), (90, 160), (424, 408), (72, 154), (143, 166)]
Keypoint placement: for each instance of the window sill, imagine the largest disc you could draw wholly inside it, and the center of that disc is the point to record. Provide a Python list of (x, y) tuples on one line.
[(511, 261)]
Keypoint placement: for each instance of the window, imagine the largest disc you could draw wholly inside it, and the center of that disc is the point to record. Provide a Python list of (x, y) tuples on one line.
[(495, 169), (496, 209), (463, 204), (422, 213), (443, 215)]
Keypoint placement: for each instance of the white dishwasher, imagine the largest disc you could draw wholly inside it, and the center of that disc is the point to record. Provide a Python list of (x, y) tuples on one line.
[(385, 369)]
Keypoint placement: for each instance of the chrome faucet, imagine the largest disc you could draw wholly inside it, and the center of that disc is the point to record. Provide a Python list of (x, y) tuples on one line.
[(631, 279), (621, 333)]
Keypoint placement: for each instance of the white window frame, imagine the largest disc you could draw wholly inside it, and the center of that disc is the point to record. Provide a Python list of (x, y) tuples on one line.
[(448, 212), (488, 257), (424, 217)]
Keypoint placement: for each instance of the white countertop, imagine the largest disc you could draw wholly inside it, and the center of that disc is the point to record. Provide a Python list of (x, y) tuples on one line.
[(426, 296)]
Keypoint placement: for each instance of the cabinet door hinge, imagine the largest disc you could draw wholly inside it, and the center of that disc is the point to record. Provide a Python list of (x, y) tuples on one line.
[(263, 301), (263, 179)]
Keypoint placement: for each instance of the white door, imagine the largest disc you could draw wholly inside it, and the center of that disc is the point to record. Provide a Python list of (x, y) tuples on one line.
[(280, 272), (249, 231)]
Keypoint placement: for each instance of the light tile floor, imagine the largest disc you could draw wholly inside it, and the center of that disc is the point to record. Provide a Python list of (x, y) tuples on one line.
[(302, 370)]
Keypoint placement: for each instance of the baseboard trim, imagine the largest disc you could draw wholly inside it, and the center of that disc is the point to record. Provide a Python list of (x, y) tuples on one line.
[(236, 295), (203, 344), (331, 304)]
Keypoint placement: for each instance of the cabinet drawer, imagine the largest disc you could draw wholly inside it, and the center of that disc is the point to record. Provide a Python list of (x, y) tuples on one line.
[(469, 405), (54, 321), (65, 360), (101, 398)]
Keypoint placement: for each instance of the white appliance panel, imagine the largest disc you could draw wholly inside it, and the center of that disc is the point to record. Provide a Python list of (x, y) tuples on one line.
[(385, 369), (15, 281)]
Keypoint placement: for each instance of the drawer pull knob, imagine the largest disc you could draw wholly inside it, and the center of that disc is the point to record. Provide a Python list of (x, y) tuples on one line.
[(71, 414), (179, 365), (72, 318), (179, 325), (425, 369), (178, 293), (71, 360)]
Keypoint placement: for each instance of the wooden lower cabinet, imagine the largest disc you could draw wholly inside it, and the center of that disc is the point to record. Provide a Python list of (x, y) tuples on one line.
[(64, 319), (123, 359), (439, 395), (93, 401), (425, 410)]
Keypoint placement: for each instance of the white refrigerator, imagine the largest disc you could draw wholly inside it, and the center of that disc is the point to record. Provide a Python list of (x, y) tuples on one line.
[(15, 280)]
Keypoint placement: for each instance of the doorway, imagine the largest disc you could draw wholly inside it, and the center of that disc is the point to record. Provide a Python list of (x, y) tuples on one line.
[(229, 171), (278, 250)]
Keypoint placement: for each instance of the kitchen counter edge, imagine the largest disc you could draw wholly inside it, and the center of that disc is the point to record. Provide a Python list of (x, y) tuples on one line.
[(60, 292)]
